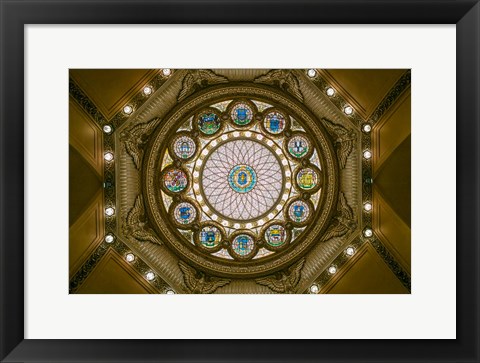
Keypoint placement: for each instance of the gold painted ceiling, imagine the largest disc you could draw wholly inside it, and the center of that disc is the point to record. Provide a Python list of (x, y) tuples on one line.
[(239, 181)]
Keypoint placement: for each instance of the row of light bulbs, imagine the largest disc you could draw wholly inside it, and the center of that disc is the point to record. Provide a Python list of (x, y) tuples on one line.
[(332, 269), (348, 110), (367, 154), (130, 257), (128, 109)]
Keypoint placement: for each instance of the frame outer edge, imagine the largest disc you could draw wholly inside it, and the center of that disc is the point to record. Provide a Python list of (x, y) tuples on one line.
[(468, 182), (13, 18)]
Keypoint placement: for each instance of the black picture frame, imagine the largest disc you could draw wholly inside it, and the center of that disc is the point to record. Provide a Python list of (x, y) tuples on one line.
[(15, 14)]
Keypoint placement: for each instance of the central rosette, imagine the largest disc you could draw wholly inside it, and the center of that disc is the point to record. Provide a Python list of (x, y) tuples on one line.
[(242, 178)]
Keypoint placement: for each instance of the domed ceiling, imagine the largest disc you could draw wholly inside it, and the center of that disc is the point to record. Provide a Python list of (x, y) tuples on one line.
[(238, 181)]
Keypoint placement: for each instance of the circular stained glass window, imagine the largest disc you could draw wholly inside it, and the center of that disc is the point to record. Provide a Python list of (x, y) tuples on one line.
[(242, 179), (241, 114), (307, 179), (184, 213), (210, 237), (276, 235), (184, 147), (208, 122), (299, 211), (242, 245), (298, 146), (175, 180), (274, 122)]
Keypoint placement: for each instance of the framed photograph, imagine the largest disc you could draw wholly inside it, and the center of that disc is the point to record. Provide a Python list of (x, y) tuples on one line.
[(185, 177)]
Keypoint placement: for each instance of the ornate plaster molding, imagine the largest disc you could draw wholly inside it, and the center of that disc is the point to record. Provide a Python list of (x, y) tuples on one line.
[(285, 79), (286, 281), (196, 79), (198, 282)]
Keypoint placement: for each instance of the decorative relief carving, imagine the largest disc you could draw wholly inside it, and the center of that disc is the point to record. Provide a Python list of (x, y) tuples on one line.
[(283, 78), (135, 225), (198, 282), (342, 222), (284, 282), (197, 79), (343, 139), (135, 137)]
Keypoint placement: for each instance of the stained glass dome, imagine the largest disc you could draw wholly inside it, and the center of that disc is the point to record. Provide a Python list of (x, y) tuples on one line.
[(244, 177)]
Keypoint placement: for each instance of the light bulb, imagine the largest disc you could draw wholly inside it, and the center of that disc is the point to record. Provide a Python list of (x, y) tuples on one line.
[(348, 110), (367, 232), (150, 276), (147, 90), (332, 270), (107, 129), (127, 110), (350, 251), (367, 128)]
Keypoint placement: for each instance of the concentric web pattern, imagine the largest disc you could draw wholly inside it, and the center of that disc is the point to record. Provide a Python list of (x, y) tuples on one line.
[(230, 203)]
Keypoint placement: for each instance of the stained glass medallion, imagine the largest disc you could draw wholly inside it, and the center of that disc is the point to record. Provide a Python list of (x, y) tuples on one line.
[(184, 213), (208, 122), (307, 179), (298, 146), (210, 237), (243, 245), (242, 178), (184, 147), (175, 180), (274, 122), (241, 114), (275, 235), (299, 211)]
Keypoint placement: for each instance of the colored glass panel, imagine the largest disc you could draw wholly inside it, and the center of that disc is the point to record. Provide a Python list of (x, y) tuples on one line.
[(210, 236), (208, 123), (274, 122), (184, 147), (242, 245), (275, 235), (307, 179), (241, 114), (175, 180), (298, 146), (299, 211), (184, 213)]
